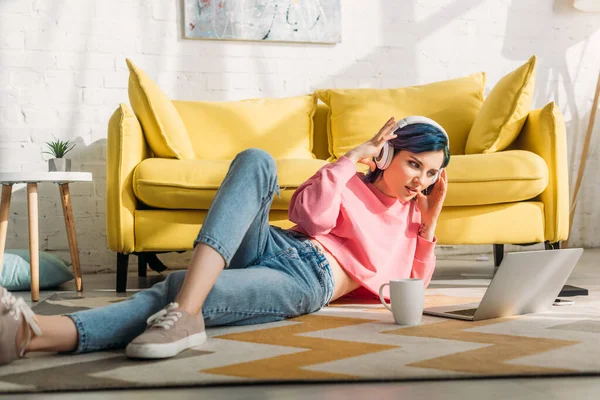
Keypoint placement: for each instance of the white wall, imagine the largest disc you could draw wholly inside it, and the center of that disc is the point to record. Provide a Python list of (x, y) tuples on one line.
[(62, 73)]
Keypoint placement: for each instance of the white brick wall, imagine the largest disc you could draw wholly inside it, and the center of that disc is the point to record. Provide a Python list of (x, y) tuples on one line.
[(62, 73)]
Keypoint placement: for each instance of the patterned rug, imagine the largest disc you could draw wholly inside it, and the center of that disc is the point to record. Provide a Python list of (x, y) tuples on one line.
[(341, 343)]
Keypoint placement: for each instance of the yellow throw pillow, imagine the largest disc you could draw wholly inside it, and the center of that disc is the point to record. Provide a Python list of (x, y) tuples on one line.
[(163, 128), (281, 126), (503, 112), (355, 115)]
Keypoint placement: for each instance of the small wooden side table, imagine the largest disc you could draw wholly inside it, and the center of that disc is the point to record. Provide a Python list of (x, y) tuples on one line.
[(7, 179)]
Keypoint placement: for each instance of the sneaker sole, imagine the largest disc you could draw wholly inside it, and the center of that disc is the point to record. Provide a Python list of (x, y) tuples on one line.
[(165, 350)]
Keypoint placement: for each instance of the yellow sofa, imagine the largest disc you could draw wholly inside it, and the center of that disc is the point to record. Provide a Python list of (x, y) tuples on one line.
[(161, 183)]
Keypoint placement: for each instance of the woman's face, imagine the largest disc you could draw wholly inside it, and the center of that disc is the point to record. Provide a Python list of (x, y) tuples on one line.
[(410, 173)]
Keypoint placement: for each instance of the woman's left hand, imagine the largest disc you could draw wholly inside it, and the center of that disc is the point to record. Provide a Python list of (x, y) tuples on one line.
[(431, 205)]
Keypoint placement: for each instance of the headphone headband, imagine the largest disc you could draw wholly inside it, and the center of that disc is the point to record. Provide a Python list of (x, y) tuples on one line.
[(387, 153), (418, 119)]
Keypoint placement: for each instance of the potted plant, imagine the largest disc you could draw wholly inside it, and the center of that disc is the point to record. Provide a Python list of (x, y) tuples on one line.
[(58, 148)]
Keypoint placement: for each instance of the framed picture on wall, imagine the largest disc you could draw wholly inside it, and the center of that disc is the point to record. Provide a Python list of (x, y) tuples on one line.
[(308, 21)]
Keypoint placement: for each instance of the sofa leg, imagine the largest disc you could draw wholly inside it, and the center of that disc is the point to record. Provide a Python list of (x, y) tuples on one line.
[(498, 254), (122, 266), (155, 263), (142, 265), (552, 246), (149, 259)]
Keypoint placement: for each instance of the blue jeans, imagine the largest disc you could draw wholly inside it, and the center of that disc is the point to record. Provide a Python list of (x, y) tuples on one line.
[(271, 274)]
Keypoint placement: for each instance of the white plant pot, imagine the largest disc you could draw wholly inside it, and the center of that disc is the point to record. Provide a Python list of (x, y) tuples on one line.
[(59, 164)]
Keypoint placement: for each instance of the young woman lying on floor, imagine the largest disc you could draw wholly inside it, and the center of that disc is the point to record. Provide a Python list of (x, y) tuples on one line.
[(353, 233)]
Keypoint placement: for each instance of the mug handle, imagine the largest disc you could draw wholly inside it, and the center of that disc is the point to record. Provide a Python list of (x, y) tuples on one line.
[(381, 296)]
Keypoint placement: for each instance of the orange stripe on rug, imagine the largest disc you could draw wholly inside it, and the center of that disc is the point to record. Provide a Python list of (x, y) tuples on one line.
[(318, 350), (489, 360)]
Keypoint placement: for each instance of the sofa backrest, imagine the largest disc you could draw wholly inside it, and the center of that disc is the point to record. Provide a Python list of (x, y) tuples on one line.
[(298, 127), (301, 128)]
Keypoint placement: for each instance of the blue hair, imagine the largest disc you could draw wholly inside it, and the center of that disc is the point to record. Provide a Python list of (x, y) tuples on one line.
[(416, 138)]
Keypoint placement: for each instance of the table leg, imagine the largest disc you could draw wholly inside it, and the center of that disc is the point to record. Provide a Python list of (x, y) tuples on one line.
[(34, 255), (65, 198), (4, 208)]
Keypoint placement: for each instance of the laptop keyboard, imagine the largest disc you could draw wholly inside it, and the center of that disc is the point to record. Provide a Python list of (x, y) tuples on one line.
[(468, 312)]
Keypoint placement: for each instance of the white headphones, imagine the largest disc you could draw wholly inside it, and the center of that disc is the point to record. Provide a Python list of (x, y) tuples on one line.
[(386, 155)]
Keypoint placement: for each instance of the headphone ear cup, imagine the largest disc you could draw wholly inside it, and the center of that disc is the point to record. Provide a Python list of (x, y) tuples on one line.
[(385, 156)]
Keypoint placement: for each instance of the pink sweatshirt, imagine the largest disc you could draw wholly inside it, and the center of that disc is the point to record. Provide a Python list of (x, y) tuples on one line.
[(374, 237)]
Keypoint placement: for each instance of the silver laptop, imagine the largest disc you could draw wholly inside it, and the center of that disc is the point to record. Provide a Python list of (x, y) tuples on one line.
[(525, 282)]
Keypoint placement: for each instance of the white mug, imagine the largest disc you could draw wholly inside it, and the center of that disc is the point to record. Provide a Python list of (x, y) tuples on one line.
[(407, 298)]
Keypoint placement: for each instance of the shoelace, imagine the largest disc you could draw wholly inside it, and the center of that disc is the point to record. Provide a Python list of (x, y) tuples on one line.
[(165, 318), (17, 307)]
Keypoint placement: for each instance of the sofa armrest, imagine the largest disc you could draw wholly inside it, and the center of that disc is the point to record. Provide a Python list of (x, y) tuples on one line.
[(126, 147), (545, 134)]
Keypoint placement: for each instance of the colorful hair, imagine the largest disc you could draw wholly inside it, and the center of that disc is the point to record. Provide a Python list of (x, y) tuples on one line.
[(416, 138)]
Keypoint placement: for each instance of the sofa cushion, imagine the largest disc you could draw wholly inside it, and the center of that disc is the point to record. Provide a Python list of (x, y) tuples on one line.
[(16, 270), (281, 126), (503, 112), (163, 128), (355, 115), (508, 176), (192, 184), (477, 179)]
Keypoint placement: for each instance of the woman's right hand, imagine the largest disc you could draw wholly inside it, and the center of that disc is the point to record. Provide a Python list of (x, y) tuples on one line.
[(365, 152)]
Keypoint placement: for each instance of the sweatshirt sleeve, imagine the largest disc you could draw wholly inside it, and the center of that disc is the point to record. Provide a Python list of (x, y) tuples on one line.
[(424, 261), (315, 205)]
